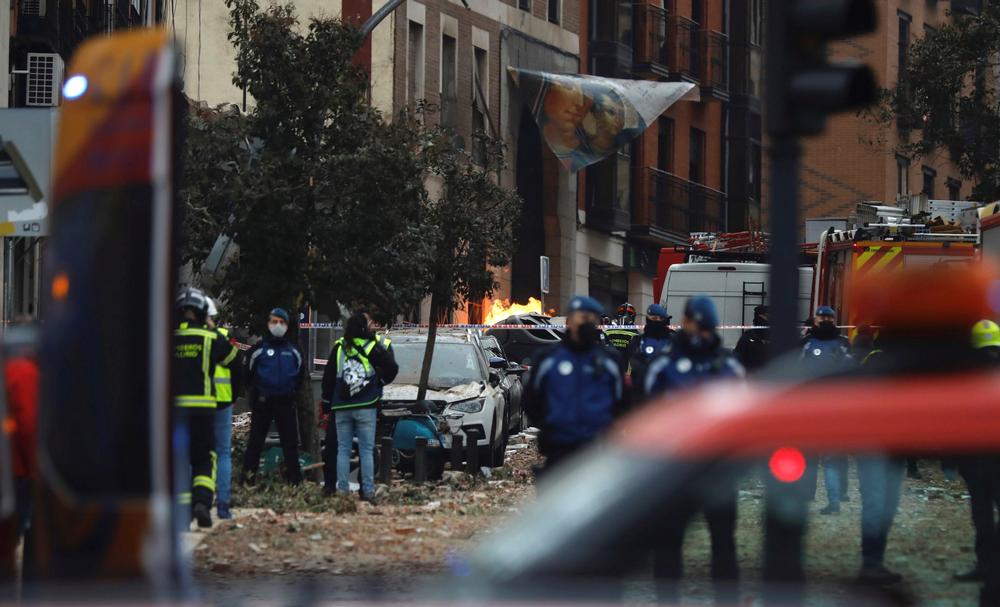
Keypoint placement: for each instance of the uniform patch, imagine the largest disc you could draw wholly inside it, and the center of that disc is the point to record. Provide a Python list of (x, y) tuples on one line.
[(817, 352), (270, 352), (565, 367), (684, 365), (650, 349)]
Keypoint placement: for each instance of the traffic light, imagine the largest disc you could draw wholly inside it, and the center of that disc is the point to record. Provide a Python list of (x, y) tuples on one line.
[(803, 87)]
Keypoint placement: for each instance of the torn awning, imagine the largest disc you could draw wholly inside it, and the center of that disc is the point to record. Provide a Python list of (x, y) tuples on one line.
[(587, 118)]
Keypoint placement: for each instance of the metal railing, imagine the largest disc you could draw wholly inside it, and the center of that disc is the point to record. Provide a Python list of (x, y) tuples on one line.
[(715, 50), (682, 206), (651, 39), (686, 52)]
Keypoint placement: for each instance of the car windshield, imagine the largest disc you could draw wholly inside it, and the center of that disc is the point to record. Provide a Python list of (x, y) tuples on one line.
[(453, 364)]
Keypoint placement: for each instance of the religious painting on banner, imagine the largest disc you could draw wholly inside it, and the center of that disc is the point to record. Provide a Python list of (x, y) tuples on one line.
[(587, 118)]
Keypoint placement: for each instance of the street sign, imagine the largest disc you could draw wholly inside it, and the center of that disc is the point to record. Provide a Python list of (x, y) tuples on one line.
[(544, 267)]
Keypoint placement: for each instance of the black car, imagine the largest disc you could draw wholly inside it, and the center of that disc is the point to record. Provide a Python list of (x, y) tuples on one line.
[(526, 345)]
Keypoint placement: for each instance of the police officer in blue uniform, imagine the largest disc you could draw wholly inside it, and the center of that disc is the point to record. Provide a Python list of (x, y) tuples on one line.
[(275, 374), (655, 337), (825, 350), (576, 389), (696, 356)]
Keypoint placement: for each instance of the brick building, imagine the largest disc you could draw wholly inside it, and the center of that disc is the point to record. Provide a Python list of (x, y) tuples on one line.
[(854, 160), (697, 168)]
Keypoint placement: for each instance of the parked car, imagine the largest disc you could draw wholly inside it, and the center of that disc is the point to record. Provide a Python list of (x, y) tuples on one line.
[(461, 382), (510, 382), (528, 344)]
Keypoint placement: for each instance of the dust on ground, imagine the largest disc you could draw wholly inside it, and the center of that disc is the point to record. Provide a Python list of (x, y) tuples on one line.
[(419, 530)]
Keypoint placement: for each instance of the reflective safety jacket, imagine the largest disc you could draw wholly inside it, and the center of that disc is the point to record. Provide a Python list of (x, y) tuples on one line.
[(619, 339), (356, 372), (224, 394), (575, 394), (198, 350)]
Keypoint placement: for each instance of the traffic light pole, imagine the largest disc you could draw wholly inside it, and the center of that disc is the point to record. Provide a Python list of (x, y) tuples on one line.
[(784, 220)]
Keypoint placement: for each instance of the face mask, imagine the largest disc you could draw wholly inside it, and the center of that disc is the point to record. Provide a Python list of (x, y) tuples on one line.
[(656, 327), (588, 334), (700, 344), (277, 329), (826, 328)]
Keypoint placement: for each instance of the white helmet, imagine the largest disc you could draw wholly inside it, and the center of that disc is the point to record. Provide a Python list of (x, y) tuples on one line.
[(213, 310)]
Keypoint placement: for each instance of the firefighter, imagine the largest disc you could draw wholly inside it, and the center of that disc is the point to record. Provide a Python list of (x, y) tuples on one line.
[(198, 350), (980, 473), (620, 337), (576, 389), (696, 356), (228, 384), (752, 349), (825, 350), (655, 336)]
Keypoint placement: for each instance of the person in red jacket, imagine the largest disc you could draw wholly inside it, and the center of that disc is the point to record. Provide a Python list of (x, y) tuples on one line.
[(21, 382)]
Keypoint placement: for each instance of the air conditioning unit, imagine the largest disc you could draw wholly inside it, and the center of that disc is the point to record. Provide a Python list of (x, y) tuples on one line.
[(45, 78), (33, 8)]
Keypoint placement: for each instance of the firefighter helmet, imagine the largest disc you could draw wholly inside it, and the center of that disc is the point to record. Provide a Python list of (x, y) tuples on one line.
[(986, 334)]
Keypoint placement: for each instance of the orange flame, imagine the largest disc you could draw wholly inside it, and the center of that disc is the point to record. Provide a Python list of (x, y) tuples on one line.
[(501, 309)]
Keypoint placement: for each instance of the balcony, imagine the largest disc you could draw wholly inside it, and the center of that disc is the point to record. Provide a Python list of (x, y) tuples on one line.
[(652, 54), (678, 207), (715, 56), (610, 49)]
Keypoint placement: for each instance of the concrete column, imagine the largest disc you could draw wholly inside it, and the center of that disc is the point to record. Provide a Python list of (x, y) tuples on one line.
[(640, 293)]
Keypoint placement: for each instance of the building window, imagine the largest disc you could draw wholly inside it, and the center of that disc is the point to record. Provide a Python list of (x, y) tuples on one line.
[(902, 176), (954, 189), (524, 5), (697, 11), (554, 11), (904, 39), (929, 176), (696, 157), (665, 146), (415, 62), (480, 99), (449, 79)]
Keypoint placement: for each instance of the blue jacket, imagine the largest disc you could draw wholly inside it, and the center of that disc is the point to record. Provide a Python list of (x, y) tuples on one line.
[(275, 367), (831, 354), (681, 367), (575, 394)]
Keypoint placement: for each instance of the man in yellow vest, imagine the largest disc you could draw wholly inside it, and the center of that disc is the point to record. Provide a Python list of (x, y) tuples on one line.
[(228, 385), (359, 365), (198, 350)]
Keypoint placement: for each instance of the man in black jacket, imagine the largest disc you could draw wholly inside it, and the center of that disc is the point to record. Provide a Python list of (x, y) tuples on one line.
[(752, 349)]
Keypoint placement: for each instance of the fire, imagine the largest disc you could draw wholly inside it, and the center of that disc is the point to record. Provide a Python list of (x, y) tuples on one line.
[(503, 308)]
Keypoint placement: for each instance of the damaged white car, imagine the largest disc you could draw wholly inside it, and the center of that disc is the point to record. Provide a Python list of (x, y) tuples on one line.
[(461, 383)]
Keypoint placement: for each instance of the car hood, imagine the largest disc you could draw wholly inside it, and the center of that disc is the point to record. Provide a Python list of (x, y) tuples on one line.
[(406, 392)]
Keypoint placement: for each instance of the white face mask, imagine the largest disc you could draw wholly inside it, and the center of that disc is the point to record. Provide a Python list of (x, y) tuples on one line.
[(277, 329)]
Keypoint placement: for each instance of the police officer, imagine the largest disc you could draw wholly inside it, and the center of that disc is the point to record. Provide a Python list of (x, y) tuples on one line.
[(359, 364), (577, 388), (619, 337), (696, 356), (752, 349), (228, 385), (825, 350), (275, 372), (655, 336), (980, 473), (198, 350)]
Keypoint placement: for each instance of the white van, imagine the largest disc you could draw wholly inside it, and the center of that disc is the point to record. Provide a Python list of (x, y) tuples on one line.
[(736, 288)]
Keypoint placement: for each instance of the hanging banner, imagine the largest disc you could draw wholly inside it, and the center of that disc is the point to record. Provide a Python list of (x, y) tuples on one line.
[(587, 118)]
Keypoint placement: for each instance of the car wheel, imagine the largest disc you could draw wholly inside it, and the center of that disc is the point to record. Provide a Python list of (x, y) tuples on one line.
[(487, 453), (500, 444)]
